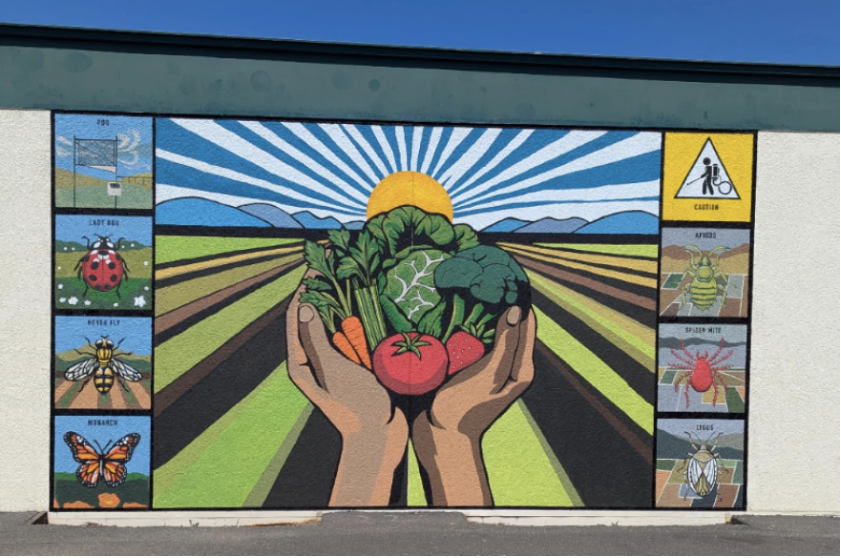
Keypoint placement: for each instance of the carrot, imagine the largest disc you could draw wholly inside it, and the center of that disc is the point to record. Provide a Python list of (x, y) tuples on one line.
[(352, 326), (341, 341)]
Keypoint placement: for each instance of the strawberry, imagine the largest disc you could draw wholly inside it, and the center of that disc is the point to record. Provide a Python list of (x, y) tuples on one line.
[(463, 349)]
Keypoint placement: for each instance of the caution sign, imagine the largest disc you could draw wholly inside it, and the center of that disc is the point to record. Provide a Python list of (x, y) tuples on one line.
[(708, 177)]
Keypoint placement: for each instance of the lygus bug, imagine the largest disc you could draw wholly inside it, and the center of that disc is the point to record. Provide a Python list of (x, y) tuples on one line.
[(102, 268), (701, 371), (701, 468), (703, 289)]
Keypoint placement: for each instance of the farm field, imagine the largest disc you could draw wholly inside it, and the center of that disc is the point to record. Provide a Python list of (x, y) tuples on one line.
[(91, 192), (222, 392), (72, 395)]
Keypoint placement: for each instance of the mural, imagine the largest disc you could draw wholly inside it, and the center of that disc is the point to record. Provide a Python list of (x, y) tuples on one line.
[(356, 315), (702, 368), (103, 262), (700, 463), (103, 161), (103, 363), (101, 462), (705, 272)]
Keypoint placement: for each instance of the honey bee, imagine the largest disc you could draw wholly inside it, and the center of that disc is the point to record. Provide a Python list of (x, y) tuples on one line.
[(103, 366)]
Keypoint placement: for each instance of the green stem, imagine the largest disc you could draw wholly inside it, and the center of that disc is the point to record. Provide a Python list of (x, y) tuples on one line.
[(475, 313), (458, 314), (342, 300), (371, 315)]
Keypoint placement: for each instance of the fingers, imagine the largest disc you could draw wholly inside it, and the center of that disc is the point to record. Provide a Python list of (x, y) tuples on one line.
[(295, 352), (523, 367), (521, 373), (505, 345), (297, 363), (314, 340)]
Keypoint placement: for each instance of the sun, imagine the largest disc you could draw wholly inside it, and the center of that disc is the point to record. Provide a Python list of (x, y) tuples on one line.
[(410, 188)]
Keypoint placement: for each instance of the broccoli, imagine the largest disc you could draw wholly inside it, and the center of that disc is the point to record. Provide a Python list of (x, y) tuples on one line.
[(489, 273)]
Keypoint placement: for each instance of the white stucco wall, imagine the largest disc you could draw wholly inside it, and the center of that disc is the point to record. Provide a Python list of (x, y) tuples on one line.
[(793, 436), (25, 294)]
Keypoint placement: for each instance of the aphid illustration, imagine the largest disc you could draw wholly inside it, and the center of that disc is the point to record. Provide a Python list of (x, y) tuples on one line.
[(108, 464), (704, 288), (102, 268), (701, 371), (103, 366), (701, 468)]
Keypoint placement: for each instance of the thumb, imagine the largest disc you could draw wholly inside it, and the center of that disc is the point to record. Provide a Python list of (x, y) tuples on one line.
[(505, 345), (314, 339)]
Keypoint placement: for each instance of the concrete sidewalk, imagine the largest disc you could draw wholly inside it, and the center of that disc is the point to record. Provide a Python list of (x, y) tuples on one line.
[(356, 533)]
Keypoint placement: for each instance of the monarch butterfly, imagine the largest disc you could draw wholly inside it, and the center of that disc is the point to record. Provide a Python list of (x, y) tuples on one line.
[(110, 464)]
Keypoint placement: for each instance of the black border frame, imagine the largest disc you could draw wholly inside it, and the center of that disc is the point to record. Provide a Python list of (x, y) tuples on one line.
[(122, 313), (241, 231)]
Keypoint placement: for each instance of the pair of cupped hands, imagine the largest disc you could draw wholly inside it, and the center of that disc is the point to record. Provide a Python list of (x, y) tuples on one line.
[(446, 436)]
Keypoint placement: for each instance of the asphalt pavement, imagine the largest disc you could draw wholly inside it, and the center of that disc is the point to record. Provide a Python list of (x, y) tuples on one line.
[(356, 533)]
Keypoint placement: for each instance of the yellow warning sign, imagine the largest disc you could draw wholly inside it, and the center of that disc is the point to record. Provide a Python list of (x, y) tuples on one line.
[(707, 177)]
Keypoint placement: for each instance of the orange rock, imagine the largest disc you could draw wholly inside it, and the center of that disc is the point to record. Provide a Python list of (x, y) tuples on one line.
[(77, 505), (134, 505), (108, 500)]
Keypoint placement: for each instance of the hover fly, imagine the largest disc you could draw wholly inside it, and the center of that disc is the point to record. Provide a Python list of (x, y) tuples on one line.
[(103, 366)]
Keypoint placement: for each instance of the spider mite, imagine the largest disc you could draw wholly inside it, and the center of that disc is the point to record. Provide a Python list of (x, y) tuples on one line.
[(701, 371)]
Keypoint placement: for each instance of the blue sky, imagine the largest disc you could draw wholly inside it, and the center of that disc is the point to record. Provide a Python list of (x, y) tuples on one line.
[(140, 459), (133, 135), (71, 331), (804, 32), (489, 173), (71, 228)]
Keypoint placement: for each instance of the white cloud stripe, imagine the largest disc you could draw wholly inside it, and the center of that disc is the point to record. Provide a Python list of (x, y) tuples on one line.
[(470, 157), (552, 151), (611, 192), (385, 146), (434, 138), (308, 138), (166, 192), (214, 133), (239, 177), (417, 136), (518, 140), (345, 144), (401, 145), (366, 147), (633, 146), (455, 139), (311, 163), (588, 211)]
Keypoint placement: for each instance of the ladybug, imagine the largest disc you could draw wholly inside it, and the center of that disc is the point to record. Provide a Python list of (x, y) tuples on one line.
[(102, 268)]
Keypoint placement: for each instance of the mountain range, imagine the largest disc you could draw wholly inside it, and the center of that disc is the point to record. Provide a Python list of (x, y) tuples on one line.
[(626, 222), (208, 213)]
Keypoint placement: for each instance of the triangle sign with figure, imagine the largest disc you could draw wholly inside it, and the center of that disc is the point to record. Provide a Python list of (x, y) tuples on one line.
[(707, 178)]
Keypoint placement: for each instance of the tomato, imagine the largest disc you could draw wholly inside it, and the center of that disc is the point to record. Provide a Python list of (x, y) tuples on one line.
[(410, 363)]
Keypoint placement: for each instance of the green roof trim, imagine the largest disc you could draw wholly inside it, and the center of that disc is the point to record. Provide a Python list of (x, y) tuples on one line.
[(140, 72)]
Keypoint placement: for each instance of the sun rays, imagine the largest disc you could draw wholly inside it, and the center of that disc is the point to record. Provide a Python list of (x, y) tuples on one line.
[(487, 173)]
